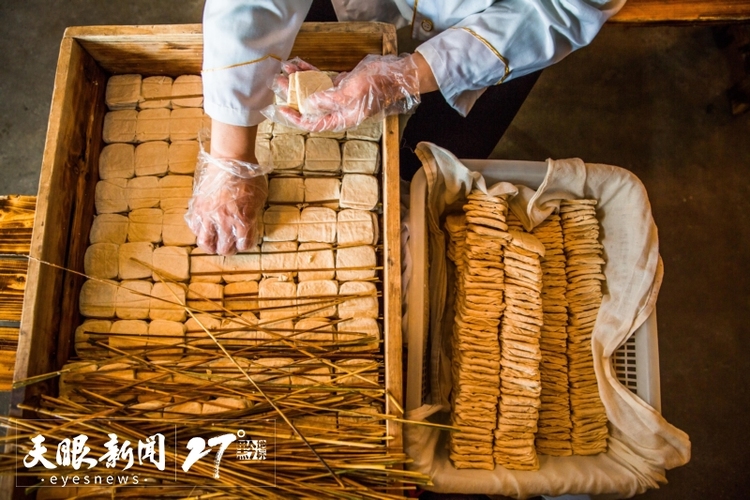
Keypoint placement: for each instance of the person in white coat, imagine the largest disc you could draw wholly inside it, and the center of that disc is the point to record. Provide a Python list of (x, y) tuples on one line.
[(476, 53)]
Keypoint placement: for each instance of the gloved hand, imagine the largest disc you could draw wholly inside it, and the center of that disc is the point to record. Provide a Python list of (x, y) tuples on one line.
[(378, 86), (227, 204)]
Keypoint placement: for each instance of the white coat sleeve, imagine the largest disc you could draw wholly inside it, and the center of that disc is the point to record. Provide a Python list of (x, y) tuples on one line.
[(511, 38), (243, 45)]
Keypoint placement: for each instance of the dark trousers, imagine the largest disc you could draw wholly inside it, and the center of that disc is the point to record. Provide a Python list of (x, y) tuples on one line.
[(436, 121)]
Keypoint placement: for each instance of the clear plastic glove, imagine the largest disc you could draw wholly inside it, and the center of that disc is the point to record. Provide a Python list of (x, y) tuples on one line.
[(226, 209), (378, 86)]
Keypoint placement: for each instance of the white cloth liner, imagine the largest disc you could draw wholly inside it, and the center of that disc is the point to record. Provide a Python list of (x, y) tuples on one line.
[(642, 443)]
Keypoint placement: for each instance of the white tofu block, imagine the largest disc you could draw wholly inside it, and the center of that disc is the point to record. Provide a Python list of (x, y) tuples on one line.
[(145, 225), (368, 130), (361, 300), (360, 157), (183, 156), (287, 151), (161, 335), (263, 151), (359, 191), (167, 302), (153, 125), (242, 266), (156, 92), (175, 191), (206, 268), (307, 83), (86, 334), (277, 299), (325, 191), (265, 129), (315, 262), (355, 257), (205, 297), (279, 259), (109, 228), (120, 126), (279, 130), (143, 192), (318, 331), (317, 224), (171, 264), (313, 372), (366, 371), (175, 231), (357, 227), (128, 336), (317, 298), (280, 223), (123, 91), (152, 158), (111, 196), (97, 299), (241, 296), (187, 92), (133, 299), (101, 260), (328, 135), (322, 155), (185, 123), (117, 161), (271, 370), (130, 253), (239, 328), (286, 190), (358, 334), (221, 405)]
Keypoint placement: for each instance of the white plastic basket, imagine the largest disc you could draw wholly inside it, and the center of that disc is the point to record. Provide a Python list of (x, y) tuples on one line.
[(636, 362)]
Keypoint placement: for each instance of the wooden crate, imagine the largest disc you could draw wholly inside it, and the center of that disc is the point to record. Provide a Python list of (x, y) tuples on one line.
[(65, 207)]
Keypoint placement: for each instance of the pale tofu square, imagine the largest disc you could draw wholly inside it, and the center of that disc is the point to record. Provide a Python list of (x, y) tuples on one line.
[(328, 135), (97, 299), (280, 129), (156, 92), (318, 331), (130, 253), (133, 299), (84, 338), (263, 151), (280, 223), (120, 126), (161, 335), (185, 123), (145, 225), (128, 335), (355, 263), (111, 196), (241, 328), (241, 296), (360, 157), (242, 266), (279, 259), (307, 83), (358, 334), (322, 155), (277, 299), (317, 298), (287, 151), (205, 297), (265, 129), (359, 191), (167, 302), (182, 157), (109, 228), (360, 300), (175, 231), (101, 260), (315, 262), (123, 91), (143, 192), (317, 224), (366, 371), (357, 227), (286, 190), (187, 92), (369, 130), (171, 264), (206, 268), (313, 372), (153, 125), (117, 161), (175, 191), (325, 191), (152, 158), (195, 325)]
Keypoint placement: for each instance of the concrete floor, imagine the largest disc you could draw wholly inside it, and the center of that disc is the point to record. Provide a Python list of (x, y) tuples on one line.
[(647, 99)]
